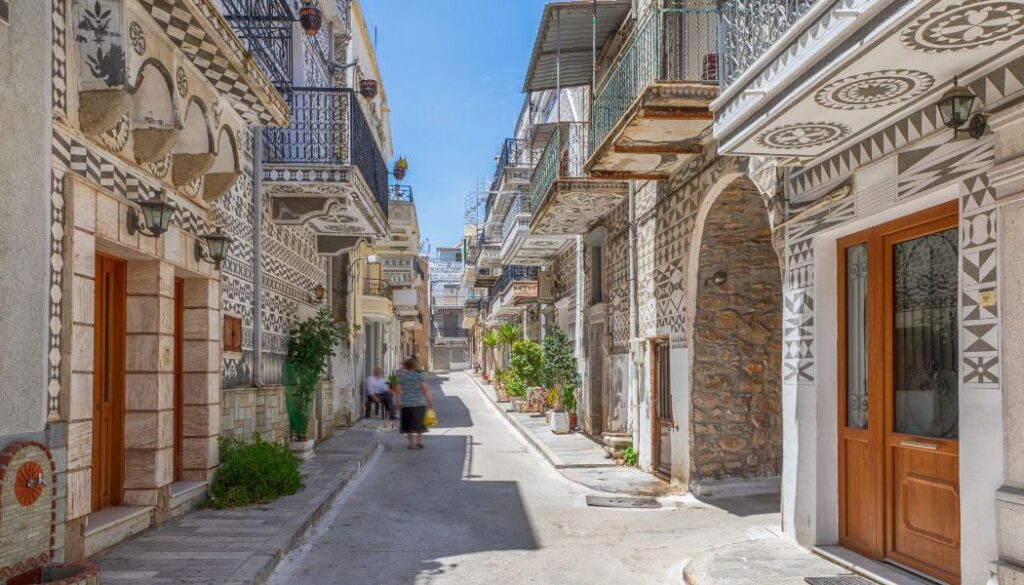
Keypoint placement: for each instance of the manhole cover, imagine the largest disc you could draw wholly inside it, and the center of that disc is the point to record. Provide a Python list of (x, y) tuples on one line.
[(840, 580), (622, 502)]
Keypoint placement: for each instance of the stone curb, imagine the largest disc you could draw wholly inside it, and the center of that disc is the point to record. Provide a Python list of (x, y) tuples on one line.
[(320, 502), (551, 457)]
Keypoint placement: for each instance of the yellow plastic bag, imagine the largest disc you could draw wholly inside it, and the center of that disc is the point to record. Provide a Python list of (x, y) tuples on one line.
[(430, 419)]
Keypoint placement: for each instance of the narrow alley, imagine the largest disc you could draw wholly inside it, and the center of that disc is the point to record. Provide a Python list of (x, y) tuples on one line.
[(477, 505)]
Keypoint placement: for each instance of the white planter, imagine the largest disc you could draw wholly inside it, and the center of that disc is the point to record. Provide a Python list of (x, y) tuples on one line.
[(559, 423), (303, 450)]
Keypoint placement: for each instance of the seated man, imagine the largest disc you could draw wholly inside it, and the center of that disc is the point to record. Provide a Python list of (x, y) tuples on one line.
[(379, 391)]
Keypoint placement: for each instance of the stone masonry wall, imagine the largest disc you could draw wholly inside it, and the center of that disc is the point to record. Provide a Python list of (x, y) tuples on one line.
[(245, 411), (736, 428)]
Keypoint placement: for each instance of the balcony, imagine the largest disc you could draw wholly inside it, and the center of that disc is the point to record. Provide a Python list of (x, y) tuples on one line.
[(486, 277), (565, 199), (515, 163), (517, 285), (488, 253), (326, 170), (651, 111), (448, 300), (400, 193), (848, 116), (399, 272), (406, 302), (375, 300), (518, 245)]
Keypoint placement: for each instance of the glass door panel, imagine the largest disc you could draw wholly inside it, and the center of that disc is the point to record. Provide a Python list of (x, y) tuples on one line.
[(925, 370), (856, 337)]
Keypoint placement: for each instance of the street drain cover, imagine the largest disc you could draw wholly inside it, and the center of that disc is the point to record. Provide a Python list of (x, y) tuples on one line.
[(840, 580), (622, 502)]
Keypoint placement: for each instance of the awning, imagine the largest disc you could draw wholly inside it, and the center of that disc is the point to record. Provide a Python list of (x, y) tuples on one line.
[(567, 28)]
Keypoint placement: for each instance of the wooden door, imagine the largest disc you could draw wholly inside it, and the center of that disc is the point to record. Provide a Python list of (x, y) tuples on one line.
[(899, 384), (664, 423), (108, 383), (179, 362)]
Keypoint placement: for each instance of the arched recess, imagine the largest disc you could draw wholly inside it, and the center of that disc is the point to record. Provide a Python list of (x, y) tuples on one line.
[(225, 170), (193, 154), (735, 338), (154, 114)]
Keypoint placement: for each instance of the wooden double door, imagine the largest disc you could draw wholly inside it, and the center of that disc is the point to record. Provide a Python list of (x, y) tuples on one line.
[(899, 488)]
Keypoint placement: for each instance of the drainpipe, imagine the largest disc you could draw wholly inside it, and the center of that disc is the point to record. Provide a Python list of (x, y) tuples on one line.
[(579, 304), (257, 254), (634, 327)]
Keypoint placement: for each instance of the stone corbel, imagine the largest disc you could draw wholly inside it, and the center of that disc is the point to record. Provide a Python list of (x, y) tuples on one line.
[(216, 185), (185, 167), (153, 144), (104, 98)]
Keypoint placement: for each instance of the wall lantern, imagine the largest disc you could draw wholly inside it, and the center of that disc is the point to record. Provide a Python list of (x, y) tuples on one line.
[(217, 243), (368, 88), (156, 217), (718, 279), (955, 107), (319, 292), (311, 17)]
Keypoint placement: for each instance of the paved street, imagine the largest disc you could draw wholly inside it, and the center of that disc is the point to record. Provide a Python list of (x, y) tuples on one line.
[(477, 506)]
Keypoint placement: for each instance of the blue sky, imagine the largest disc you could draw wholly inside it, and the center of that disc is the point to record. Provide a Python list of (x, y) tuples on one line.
[(453, 71)]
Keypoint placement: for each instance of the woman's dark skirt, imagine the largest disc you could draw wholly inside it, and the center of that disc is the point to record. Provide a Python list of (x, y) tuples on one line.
[(412, 419)]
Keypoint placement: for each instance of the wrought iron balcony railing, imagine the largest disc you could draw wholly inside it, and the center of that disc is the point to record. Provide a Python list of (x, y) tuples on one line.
[(674, 42), (329, 127), (748, 28), (520, 204), (564, 157), (265, 27), (402, 193), (375, 287), (510, 274), (515, 154), (448, 300)]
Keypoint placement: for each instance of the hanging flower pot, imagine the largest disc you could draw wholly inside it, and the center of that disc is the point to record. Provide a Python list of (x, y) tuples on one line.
[(311, 18), (368, 88), (401, 168)]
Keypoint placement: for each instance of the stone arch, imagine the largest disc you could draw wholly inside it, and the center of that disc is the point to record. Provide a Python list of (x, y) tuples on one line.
[(193, 153), (153, 113), (226, 167), (735, 338)]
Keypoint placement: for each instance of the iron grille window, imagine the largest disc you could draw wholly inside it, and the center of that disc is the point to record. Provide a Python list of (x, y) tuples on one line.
[(265, 27), (5, 11)]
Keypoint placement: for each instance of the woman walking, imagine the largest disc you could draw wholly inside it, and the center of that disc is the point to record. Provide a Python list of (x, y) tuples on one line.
[(415, 399)]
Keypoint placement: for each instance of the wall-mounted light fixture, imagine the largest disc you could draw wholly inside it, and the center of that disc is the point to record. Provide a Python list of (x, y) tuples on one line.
[(216, 249), (955, 108), (319, 292), (718, 279), (156, 217)]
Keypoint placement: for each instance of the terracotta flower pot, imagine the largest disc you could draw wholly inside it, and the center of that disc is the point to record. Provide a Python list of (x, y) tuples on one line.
[(368, 88), (311, 19)]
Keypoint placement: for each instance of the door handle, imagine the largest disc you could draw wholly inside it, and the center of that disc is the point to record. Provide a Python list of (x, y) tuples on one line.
[(919, 445)]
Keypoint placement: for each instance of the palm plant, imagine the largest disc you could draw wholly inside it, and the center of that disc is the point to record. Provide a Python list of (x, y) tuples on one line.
[(490, 342), (508, 334)]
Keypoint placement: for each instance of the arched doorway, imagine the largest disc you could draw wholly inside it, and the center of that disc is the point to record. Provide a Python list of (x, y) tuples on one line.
[(736, 399)]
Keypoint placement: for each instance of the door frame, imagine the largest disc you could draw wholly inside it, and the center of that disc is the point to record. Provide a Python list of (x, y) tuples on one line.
[(179, 369), (117, 348), (880, 240), (653, 345)]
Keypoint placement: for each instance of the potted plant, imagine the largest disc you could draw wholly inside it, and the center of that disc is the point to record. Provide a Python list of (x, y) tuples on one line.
[(559, 372), (569, 405), (309, 346), (401, 168), (311, 18), (508, 334), (368, 88), (490, 343)]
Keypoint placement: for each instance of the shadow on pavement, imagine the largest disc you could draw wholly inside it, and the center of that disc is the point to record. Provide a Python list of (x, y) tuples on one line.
[(417, 508), (754, 505)]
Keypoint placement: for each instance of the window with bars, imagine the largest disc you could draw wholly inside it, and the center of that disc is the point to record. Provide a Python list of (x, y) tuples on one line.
[(5, 11)]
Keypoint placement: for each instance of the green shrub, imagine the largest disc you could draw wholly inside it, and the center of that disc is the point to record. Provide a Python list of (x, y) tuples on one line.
[(629, 455), (559, 362), (252, 473), (527, 362), (514, 385)]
